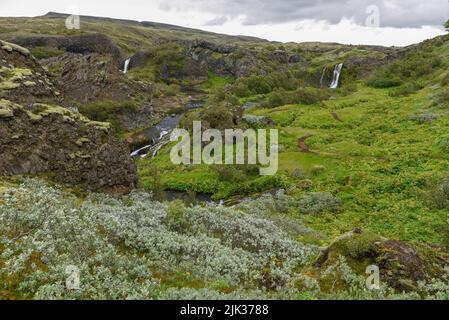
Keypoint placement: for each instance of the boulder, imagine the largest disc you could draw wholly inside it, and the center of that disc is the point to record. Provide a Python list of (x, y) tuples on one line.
[(402, 264), (279, 56), (138, 60)]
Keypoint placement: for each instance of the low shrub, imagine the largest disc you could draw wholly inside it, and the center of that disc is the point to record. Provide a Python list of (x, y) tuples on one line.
[(424, 117), (415, 65), (407, 89), (219, 117), (124, 248), (46, 52), (443, 143), (167, 59), (306, 96), (107, 110), (445, 80), (437, 193), (383, 80), (236, 173), (442, 98), (318, 202)]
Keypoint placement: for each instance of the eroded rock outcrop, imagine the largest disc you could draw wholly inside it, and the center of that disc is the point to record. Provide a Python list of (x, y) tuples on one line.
[(83, 44), (52, 139), (22, 79), (224, 60), (90, 77), (38, 136)]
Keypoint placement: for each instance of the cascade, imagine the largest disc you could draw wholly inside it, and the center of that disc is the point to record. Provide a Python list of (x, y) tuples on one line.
[(336, 78)]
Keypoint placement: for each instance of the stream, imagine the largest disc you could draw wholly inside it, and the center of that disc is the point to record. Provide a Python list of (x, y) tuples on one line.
[(159, 135)]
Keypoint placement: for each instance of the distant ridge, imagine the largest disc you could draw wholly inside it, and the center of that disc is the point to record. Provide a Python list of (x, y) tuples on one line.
[(156, 25)]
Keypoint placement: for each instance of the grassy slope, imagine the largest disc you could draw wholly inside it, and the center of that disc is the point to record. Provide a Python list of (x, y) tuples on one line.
[(375, 159), (130, 36)]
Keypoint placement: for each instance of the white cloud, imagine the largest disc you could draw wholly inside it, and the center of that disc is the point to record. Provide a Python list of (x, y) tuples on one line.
[(403, 22)]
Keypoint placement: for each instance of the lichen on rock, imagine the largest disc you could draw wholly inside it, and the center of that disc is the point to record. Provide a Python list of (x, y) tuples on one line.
[(38, 135), (402, 264), (10, 47)]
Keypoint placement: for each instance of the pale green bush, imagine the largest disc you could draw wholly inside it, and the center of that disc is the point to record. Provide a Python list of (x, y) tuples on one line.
[(317, 202), (116, 243)]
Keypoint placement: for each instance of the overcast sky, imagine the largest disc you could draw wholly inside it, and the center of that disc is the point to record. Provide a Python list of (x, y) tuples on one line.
[(382, 22)]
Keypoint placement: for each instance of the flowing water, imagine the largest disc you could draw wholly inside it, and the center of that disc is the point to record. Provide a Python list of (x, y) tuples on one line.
[(322, 78), (159, 135), (126, 66), (336, 78)]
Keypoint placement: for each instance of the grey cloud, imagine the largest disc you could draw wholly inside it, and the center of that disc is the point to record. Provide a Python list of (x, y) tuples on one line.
[(393, 13), (217, 21)]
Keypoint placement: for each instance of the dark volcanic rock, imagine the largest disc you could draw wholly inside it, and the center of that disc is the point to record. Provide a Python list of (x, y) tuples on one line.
[(39, 136), (91, 77), (138, 60), (279, 56), (296, 58), (224, 60), (22, 79), (57, 141), (83, 44)]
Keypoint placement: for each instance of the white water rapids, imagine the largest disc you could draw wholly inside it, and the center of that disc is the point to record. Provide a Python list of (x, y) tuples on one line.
[(336, 77), (126, 66)]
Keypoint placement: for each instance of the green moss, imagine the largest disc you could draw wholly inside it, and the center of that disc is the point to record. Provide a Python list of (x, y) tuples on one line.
[(6, 113), (217, 55), (104, 126), (79, 155), (29, 83), (7, 109), (12, 77), (82, 141), (356, 246), (216, 82), (8, 85), (46, 52), (13, 47)]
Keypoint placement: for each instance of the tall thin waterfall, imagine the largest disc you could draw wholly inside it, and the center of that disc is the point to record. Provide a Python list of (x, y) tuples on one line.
[(322, 78), (336, 78), (126, 66)]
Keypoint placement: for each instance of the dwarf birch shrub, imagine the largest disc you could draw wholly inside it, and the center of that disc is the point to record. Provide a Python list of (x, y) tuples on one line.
[(125, 248), (317, 202)]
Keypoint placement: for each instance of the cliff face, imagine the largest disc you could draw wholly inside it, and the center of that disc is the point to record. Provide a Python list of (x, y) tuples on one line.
[(38, 136), (22, 79), (93, 77)]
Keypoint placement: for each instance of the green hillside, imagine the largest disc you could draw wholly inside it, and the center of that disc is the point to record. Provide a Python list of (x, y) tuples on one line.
[(362, 176)]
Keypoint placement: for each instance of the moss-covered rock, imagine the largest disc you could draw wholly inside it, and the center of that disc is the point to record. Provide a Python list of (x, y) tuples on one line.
[(402, 264), (22, 78), (10, 47), (52, 139)]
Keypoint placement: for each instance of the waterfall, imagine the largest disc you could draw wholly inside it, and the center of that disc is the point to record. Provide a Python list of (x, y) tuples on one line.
[(125, 67), (322, 78), (336, 78)]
